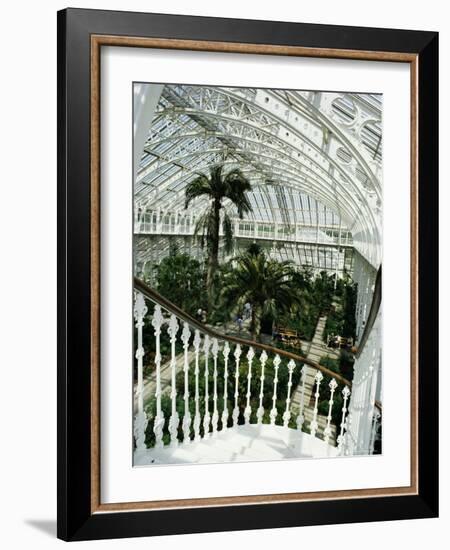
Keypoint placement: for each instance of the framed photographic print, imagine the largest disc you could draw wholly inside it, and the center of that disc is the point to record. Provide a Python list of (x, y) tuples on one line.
[(247, 245)]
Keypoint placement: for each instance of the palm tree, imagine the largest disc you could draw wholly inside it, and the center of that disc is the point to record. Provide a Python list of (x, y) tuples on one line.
[(232, 186), (264, 283)]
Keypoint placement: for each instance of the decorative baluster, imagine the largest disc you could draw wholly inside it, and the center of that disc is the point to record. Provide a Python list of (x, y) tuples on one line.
[(207, 416), (226, 353), (327, 431), (260, 411), (340, 439), (140, 420), (157, 322), (186, 424), (274, 410), (197, 416), (349, 443), (287, 412), (215, 416), (174, 418), (301, 415), (248, 409), (318, 378), (374, 434), (237, 355)]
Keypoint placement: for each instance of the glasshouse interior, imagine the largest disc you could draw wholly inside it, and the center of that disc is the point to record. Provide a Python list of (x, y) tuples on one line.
[(257, 274)]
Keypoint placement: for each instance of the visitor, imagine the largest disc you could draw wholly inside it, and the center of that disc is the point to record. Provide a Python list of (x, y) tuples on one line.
[(239, 321), (199, 314)]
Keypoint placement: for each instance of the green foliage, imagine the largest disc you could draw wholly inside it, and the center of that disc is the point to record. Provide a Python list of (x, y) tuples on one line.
[(346, 362), (269, 374), (330, 363), (180, 279), (216, 188), (314, 298), (323, 289), (349, 310), (341, 320), (254, 249), (266, 284), (343, 366)]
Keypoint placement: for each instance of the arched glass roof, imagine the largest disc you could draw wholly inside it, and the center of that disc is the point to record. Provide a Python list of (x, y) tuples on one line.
[(313, 158)]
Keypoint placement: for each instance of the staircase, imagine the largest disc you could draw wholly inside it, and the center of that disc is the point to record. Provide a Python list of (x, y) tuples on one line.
[(250, 443), (315, 351), (219, 430)]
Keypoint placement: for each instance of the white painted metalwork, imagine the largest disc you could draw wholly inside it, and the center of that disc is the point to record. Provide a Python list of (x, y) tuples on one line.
[(274, 410), (207, 415), (301, 417), (248, 409), (237, 355), (366, 391), (327, 431), (140, 420), (197, 417), (186, 424), (225, 413), (340, 439), (215, 416), (327, 145), (314, 163), (360, 418), (314, 425), (287, 412), (174, 417), (157, 322), (260, 412)]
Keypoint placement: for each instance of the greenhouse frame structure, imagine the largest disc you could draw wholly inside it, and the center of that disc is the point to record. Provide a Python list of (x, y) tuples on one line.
[(314, 161)]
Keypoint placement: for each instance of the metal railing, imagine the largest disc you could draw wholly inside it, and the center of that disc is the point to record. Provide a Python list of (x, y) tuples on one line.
[(231, 381)]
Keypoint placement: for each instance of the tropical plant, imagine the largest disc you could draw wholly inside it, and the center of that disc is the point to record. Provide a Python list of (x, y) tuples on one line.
[(217, 188), (341, 320), (254, 249), (180, 279), (262, 282)]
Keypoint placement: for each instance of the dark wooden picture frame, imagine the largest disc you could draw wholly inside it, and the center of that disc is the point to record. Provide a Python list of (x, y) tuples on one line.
[(81, 34)]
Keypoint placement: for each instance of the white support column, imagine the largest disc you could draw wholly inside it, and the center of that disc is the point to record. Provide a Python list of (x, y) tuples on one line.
[(327, 431), (174, 417), (260, 411), (301, 416), (237, 355), (197, 416), (186, 334), (158, 425), (248, 409), (140, 420), (314, 425), (287, 412), (225, 413), (274, 410), (340, 439), (207, 416), (145, 100), (215, 416)]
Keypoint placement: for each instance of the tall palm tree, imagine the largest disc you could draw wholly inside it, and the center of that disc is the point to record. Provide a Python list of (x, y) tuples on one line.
[(216, 188), (264, 283)]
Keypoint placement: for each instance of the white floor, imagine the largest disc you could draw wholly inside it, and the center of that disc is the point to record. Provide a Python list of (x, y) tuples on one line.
[(245, 443)]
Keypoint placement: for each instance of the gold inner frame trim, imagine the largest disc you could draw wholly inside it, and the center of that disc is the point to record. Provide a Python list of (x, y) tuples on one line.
[(97, 41)]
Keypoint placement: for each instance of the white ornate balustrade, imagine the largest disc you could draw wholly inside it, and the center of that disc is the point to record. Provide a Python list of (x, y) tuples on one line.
[(180, 223), (233, 423)]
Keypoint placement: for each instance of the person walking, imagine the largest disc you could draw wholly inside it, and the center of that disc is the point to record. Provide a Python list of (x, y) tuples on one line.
[(239, 322)]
